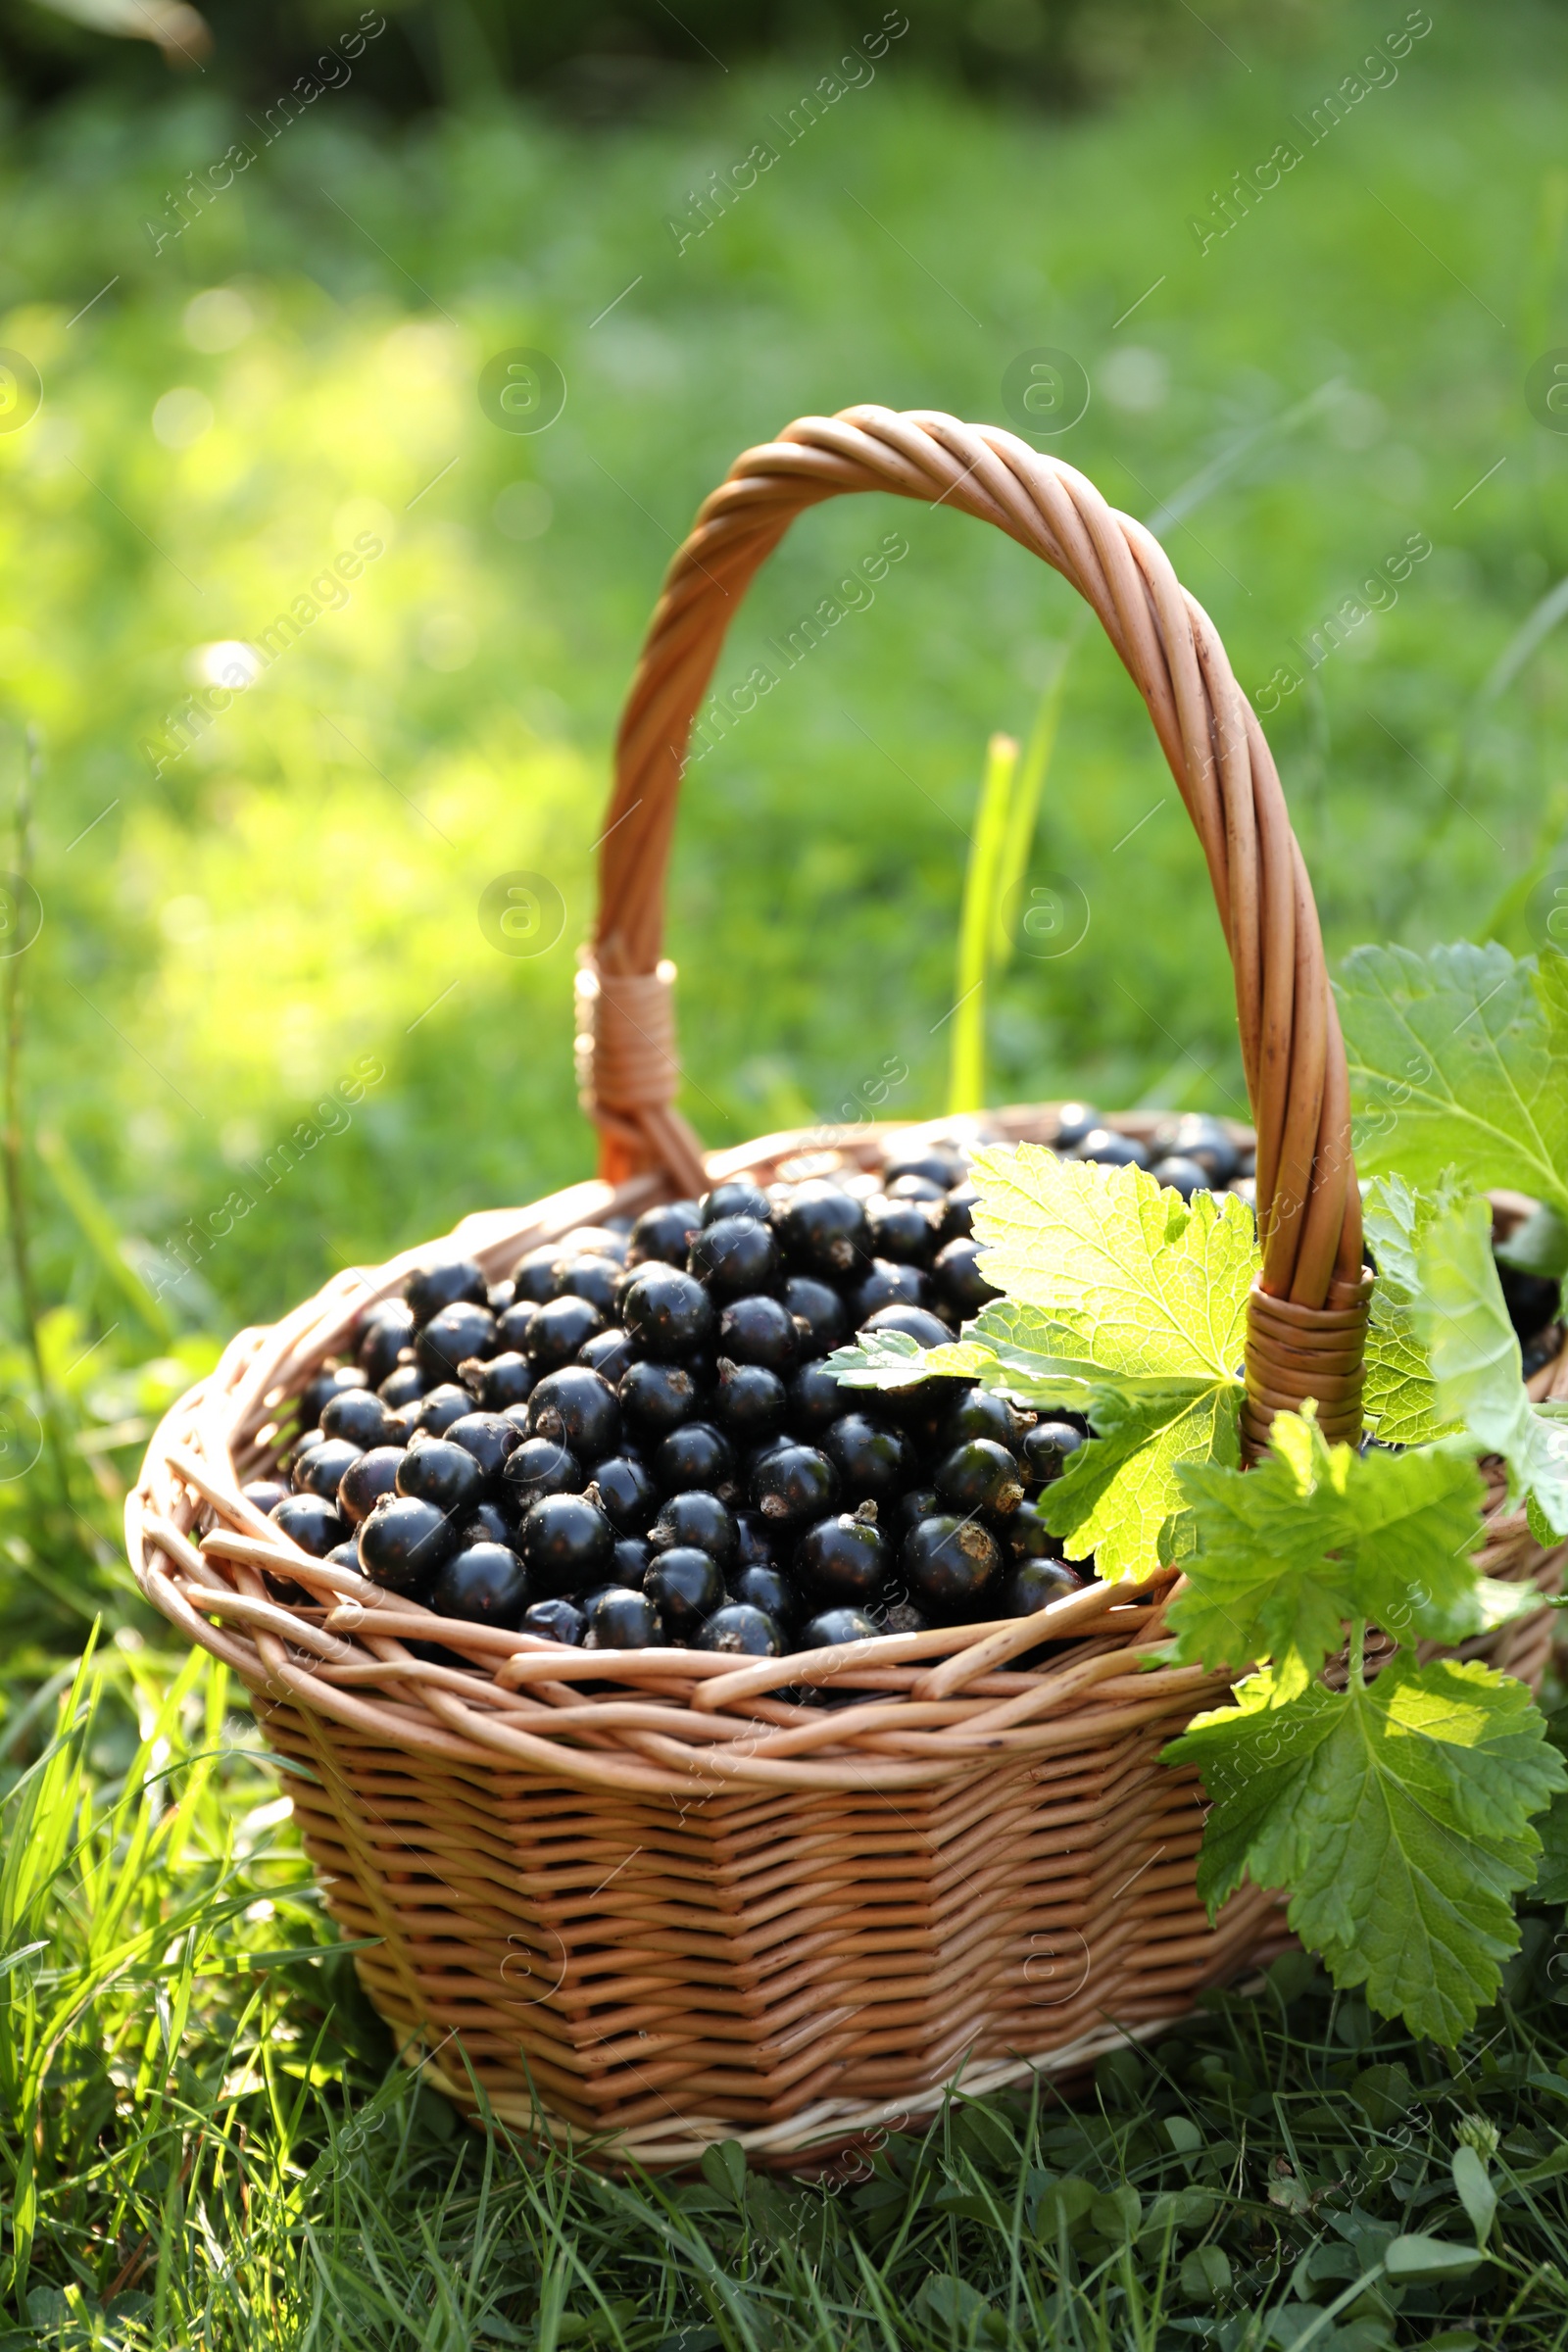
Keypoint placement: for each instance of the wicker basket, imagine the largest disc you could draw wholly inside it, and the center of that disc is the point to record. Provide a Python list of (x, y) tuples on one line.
[(643, 1899)]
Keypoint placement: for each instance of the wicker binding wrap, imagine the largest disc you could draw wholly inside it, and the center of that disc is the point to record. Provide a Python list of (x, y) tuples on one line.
[(647, 1896)]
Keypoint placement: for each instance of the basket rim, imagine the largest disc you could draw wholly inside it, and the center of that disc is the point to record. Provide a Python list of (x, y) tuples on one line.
[(914, 1711)]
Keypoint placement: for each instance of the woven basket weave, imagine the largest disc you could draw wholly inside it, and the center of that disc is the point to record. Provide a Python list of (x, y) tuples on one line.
[(644, 1900)]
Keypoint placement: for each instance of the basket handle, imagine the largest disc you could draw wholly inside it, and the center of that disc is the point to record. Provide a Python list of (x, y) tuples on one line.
[(1307, 1316)]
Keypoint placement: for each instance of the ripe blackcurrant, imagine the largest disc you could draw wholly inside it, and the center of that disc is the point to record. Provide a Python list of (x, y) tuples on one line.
[(619, 1619), (695, 1519), (980, 1476), (748, 1401), (385, 1330), (664, 1234), (846, 1556), (795, 1483), (872, 1462), (405, 1543), (737, 1255), (405, 1384), (684, 1586), (320, 1469), (578, 1409), (453, 1336), (668, 1313), (823, 1231), (566, 1542), (554, 1620), (365, 1482), (1035, 1584), (626, 1493), (439, 1407), (439, 1472), (758, 1330), (832, 1628), (901, 1231), (697, 1454), (1047, 1448), (951, 1562), (742, 1631), (960, 1288), (539, 1466), (657, 1397), (558, 1329), (428, 1288), (591, 1278), (310, 1521), (818, 1308), (505, 1379), (737, 1199), (484, 1583), (610, 1353), (762, 1588)]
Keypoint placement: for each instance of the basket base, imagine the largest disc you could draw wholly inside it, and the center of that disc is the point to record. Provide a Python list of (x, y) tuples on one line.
[(808, 2140)]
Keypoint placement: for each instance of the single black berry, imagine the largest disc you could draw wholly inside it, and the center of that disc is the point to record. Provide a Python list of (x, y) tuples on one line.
[(310, 1521), (320, 1469), (982, 1413), (553, 1621), (668, 1313), (920, 1326), (439, 1472), (610, 1353), (405, 1384), (795, 1483), (1035, 1584), (901, 1231), (596, 1241), (451, 1337), (405, 1543), (430, 1289), (872, 1462), (960, 1288), (657, 1397), (821, 1317), (1199, 1137), (385, 1330), (626, 1493), (697, 1454), (1028, 1538), (737, 1199), (956, 1218), (566, 1542), (903, 1617), (439, 1407), (629, 1560), (823, 1231), (489, 1523), (533, 1276), (742, 1631), (832, 1628), (1047, 1448), (695, 1519), (592, 1278), (816, 1399), (684, 1586), (664, 1234), (1113, 1150), (942, 1164), (619, 1619), (514, 1324), (748, 1401), (758, 1329), (558, 1329), (313, 1402), (951, 1562), (764, 1588), (500, 1295), (486, 1582), (490, 1438), (541, 1466), (920, 1502), (888, 1285), (365, 1482), (578, 1409), (737, 1255), (1074, 1120), (756, 1539), (344, 1556), (846, 1556), (264, 1493), (980, 1476), (916, 1187), (1179, 1175), (501, 1381)]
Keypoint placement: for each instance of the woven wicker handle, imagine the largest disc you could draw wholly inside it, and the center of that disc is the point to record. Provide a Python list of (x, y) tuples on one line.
[(1307, 1318)]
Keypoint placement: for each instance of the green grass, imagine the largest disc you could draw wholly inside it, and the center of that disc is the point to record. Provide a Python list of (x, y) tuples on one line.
[(207, 2142), (196, 2105)]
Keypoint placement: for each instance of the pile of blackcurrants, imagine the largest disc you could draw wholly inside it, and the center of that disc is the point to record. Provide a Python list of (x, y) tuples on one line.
[(634, 1441)]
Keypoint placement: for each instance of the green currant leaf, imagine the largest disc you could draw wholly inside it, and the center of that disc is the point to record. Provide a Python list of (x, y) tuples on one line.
[(1398, 1815), (1460, 1059), (1122, 1302), (1314, 1536), (1460, 1316), (1399, 1399)]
